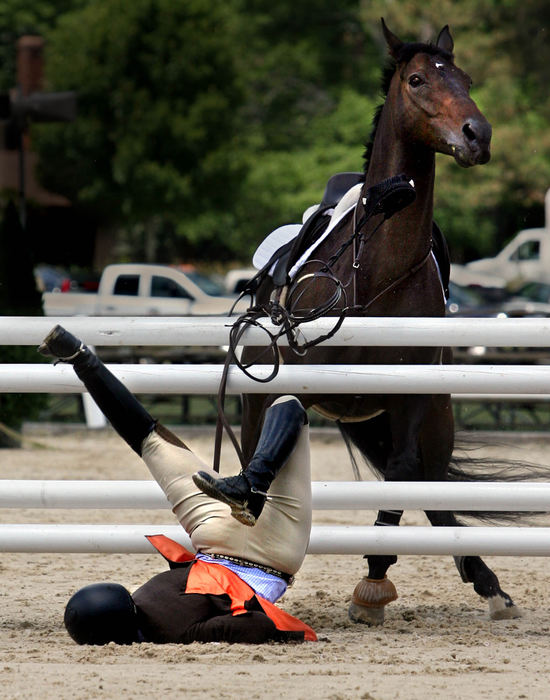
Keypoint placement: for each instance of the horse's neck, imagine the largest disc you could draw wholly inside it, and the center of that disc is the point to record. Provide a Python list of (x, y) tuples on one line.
[(417, 163), (408, 232)]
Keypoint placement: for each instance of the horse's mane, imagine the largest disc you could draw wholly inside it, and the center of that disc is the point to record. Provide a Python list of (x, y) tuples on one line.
[(405, 54)]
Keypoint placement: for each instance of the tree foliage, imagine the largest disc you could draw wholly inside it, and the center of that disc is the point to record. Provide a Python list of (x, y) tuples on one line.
[(156, 111), (19, 17), (203, 125)]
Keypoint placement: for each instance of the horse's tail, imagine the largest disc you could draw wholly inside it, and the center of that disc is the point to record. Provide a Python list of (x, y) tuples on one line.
[(470, 468), (465, 466)]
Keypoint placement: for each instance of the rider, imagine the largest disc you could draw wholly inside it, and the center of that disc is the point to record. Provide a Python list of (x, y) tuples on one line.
[(227, 590)]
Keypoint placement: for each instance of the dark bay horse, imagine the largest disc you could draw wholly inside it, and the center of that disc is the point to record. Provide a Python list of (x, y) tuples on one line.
[(389, 271)]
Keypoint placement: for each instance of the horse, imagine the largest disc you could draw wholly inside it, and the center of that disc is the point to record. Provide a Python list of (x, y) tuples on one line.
[(381, 266)]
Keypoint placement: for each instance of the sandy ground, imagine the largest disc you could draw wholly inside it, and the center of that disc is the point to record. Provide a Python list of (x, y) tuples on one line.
[(437, 641)]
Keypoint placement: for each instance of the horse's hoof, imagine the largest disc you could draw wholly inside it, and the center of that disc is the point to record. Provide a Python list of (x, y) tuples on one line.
[(366, 616), (503, 608), (369, 599)]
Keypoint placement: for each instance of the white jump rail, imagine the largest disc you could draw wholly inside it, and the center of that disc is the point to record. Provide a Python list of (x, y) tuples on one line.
[(327, 495), (465, 382), (325, 539), (294, 379), (214, 331)]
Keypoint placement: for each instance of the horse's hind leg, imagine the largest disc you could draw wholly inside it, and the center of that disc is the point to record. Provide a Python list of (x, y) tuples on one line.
[(474, 570)]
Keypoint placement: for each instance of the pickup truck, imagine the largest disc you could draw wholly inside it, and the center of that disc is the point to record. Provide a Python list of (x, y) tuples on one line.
[(526, 258), (140, 289)]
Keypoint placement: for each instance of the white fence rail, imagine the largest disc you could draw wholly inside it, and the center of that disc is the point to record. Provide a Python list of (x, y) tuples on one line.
[(214, 331), (519, 382), (327, 495), (294, 379), (325, 539)]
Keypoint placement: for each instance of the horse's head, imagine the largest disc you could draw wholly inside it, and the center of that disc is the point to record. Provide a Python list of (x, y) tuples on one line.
[(432, 102)]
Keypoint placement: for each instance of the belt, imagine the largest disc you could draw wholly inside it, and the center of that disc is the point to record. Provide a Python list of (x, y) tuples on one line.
[(253, 565)]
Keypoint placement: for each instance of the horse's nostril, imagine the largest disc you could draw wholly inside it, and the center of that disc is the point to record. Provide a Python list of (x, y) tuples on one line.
[(469, 133)]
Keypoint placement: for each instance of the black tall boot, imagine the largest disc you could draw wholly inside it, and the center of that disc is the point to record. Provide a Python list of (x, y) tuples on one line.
[(246, 493), (127, 416)]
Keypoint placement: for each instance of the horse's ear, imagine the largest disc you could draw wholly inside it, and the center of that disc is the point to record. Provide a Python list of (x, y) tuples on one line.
[(394, 44), (445, 40)]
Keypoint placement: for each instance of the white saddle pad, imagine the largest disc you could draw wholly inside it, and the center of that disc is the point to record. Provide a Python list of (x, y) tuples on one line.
[(345, 205), (282, 235), (273, 242)]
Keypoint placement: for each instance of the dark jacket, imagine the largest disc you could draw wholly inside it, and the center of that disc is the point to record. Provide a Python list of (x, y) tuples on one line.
[(196, 601)]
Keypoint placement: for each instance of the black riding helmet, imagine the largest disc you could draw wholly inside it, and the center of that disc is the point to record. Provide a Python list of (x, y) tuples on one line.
[(102, 613)]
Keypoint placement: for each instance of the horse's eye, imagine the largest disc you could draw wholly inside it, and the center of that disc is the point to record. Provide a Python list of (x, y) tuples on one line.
[(415, 81)]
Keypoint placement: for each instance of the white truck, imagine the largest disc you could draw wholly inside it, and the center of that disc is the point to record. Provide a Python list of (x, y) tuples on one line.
[(526, 258), (141, 289)]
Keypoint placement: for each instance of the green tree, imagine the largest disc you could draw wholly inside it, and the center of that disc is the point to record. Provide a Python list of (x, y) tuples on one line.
[(18, 17), (281, 184), (311, 71), (153, 146), (186, 108)]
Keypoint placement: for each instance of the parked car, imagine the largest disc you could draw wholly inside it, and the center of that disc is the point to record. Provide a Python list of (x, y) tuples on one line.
[(211, 286), (532, 299), (84, 281), (526, 258), (468, 301), (141, 289), (50, 278), (471, 303)]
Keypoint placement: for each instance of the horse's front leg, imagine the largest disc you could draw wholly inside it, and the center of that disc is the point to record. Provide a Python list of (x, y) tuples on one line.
[(375, 590), (473, 569), (435, 456), (486, 584)]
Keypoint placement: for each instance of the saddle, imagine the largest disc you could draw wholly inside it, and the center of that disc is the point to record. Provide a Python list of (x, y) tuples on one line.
[(280, 250), (284, 248)]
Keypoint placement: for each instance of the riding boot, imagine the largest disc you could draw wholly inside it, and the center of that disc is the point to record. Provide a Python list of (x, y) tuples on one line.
[(127, 416), (246, 493)]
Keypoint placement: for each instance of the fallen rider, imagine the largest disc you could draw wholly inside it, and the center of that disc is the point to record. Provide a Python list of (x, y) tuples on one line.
[(227, 590)]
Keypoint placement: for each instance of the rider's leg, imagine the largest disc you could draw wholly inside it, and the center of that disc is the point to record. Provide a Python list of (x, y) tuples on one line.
[(280, 539), (127, 416), (246, 493), (281, 535)]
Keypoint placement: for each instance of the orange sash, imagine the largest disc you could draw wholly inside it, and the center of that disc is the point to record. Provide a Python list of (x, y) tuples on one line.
[(215, 579)]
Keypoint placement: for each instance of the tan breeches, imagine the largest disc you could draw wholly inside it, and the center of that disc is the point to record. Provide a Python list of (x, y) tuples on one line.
[(281, 535)]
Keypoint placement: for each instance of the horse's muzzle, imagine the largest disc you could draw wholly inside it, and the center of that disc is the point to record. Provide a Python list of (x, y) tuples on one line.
[(475, 142)]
